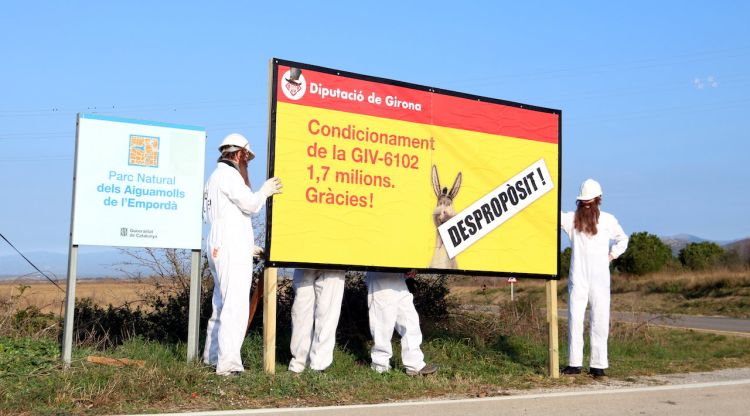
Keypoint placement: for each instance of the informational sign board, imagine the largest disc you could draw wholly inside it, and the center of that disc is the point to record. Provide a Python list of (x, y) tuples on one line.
[(138, 183), (386, 175)]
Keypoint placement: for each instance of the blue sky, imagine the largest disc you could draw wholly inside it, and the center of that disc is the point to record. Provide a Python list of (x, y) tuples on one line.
[(655, 95)]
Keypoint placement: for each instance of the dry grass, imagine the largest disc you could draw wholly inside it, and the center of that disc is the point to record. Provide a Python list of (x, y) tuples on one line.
[(721, 292), (714, 292), (48, 298), (496, 290), (683, 280)]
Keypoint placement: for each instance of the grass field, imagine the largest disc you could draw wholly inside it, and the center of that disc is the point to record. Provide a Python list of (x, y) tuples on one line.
[(48, 298), (32, 379), (479, 355)]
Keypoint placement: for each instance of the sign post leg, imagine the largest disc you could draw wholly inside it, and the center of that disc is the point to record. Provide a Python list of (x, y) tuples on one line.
[(554, 353), (194, 312), (269, 320), (70, 305)]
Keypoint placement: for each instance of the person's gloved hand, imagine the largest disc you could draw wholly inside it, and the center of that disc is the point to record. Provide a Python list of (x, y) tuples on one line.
[(257, 251), (271, 187)]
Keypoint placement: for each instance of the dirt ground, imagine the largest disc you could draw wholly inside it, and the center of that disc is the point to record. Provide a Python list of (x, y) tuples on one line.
[(49, 298)]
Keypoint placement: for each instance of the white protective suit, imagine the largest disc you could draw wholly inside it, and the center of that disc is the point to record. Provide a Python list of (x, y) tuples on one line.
[(391, 306), (589, 283), (228, 204), (315, 316)]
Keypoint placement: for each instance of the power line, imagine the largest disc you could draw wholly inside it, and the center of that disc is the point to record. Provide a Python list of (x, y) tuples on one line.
[(32, 264), (107, 109)]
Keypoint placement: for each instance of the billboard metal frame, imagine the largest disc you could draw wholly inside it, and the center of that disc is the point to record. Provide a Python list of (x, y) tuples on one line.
[(274, 79)]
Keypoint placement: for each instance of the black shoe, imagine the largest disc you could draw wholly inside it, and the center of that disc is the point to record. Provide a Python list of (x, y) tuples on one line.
[(571, 371), (425, 371), (597, 373)]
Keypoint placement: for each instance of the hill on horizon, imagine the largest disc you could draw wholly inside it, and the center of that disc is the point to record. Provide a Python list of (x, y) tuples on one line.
[(97, 264), (109, 262), (679, 241)]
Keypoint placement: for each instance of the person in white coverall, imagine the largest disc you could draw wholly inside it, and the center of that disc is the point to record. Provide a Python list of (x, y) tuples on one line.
[(391, 306), (590, 231), (228, 202), (315, 316)]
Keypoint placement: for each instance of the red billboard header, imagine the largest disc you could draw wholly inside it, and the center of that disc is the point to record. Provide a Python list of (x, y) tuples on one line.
[(328, 91)]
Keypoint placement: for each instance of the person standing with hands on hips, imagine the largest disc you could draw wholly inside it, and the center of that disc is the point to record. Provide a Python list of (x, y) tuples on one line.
[(228, 203), (391, 306), (590, 231)]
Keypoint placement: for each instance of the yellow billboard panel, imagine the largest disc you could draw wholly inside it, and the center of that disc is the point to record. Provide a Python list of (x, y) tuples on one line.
[(380, 175)]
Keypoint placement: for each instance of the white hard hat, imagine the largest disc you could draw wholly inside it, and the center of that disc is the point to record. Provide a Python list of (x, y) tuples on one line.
[(590, 189), (234, 142)]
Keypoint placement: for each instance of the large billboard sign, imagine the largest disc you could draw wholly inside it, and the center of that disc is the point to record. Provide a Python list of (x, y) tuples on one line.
[(138, 183), (386, 175)]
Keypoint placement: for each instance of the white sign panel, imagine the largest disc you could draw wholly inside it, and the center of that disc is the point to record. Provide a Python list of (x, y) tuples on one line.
[(493, 209), (138, 183)]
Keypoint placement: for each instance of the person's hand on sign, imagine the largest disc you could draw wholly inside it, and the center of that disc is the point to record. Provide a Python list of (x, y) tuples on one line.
[(257, 251), (271, 187)]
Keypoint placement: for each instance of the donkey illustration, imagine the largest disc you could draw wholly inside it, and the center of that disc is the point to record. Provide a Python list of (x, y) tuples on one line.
[(442, 213)]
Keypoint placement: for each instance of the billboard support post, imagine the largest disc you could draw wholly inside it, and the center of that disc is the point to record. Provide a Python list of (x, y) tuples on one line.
[(70, 300), (194, 314), (554, 352), (269, 320)]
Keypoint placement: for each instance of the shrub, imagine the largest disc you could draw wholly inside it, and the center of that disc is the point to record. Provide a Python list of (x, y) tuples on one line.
[(646, 253), (353, 332), (565, 262), (699, 256), (731, 259), (165, 317), (26, 321)]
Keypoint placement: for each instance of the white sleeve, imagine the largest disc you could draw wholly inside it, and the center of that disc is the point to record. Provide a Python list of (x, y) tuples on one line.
[(240, 194), (621, 239), (566, 222)]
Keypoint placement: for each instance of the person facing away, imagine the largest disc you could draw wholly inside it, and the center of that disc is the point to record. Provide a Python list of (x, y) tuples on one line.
[(590, 231), (391, 306), (228, 202), (315, 316)]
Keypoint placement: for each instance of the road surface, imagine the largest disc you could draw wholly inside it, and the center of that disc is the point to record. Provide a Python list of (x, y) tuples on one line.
[(725, 395), (717, 324), (713, 324)]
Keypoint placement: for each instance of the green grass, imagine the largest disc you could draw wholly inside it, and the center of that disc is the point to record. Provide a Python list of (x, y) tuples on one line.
[(472, 363)]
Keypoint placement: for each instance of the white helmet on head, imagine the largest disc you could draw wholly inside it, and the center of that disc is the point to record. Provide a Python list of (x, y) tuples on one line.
[(234, 142), (590, 189)]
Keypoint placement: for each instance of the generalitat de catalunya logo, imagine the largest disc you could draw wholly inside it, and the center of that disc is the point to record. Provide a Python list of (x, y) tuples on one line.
[(293, 84)]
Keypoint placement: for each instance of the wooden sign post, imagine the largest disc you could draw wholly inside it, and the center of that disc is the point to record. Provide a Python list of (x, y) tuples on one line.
[(554, 352), (269, 320)]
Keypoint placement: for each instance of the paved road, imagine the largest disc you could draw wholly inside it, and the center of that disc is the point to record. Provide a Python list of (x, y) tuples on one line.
[(715, 324), (733, 326), (726, 398)]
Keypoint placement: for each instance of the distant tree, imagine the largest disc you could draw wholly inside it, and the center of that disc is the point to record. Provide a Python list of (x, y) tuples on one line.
[(565, 263), (699, 256), (646, 253)]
